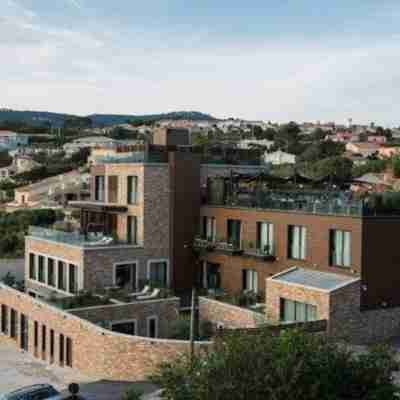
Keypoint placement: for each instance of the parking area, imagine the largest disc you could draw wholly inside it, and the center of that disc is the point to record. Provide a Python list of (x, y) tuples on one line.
[(18, 369)]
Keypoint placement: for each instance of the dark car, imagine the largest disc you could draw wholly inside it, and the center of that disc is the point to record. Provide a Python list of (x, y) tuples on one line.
[(34, 392)]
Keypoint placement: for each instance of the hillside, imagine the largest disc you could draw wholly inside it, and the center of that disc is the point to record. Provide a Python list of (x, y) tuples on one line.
[(98, 120)]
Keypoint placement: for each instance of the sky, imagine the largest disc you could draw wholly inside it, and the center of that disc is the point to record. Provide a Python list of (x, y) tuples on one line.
[(278, 60)]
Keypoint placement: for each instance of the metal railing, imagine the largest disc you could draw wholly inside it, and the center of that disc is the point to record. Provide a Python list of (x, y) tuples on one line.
[(73, 238), (293, 202)]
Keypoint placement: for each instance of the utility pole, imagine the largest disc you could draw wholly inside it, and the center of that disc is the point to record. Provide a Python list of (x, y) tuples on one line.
[(192, 324)]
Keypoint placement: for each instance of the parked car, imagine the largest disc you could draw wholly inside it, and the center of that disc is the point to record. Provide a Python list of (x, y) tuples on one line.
[(70, 397), (34, 392)]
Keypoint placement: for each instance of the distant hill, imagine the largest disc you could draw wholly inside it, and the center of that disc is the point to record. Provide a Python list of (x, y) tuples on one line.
[(98, 120)]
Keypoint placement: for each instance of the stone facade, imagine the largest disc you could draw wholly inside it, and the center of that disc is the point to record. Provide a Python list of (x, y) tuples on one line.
[(166, 311), (93, 350), (342, 310), (227, 315)]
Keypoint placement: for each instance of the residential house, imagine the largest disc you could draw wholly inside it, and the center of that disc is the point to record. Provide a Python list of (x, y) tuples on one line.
[(253, 143), (12, 140), (364, 149), (279, 157)]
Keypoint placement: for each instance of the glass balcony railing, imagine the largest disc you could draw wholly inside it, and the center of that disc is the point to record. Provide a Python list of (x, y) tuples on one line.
[(74, 238)]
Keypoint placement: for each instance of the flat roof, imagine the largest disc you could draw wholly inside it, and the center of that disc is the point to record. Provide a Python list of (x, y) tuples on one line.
[(314, 279)]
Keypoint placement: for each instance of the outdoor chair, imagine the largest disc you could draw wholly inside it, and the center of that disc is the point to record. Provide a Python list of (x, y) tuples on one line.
[(143, 292), (155, 293)]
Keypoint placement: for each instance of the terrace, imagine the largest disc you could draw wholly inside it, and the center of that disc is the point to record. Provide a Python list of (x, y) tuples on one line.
[(89, 240)]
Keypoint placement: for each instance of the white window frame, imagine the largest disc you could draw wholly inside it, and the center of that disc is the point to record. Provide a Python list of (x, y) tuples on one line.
[(149, 262), (253, 273), (125, 321), (148, 319), (135, 278), (301, 245), (270, 235)]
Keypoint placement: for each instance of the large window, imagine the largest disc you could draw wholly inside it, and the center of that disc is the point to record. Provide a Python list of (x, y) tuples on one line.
[(340, 248), (68, 346), (249, 277), (234, 227), (51, 276), (158, 273), (99, 188), (125, 275), (73, 281), (209, 230), (297, 242), (131, 229), (41, 269), (113, 189), (13, 323), (62, 276), (4, 318), (265, 238), (132, 185), (293, 311), (32, 266)]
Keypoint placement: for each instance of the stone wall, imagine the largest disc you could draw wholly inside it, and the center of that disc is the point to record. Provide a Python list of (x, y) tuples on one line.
[(228, 315), (95, 351), (341, 308), (167, 311)]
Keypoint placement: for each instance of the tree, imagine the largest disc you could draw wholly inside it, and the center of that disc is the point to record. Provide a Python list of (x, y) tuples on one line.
[(293, 365), (396, 166), (287, 137), (338, 169), (318, 134), (321, 150)]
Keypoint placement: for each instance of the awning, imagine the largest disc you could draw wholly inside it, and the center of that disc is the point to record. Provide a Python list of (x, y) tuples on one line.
[(98, 206)]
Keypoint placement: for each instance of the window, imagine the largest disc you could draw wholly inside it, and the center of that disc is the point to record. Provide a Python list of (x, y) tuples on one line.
[(340, 248), (61, 349), (131, 233), (32, 267), (297, 242), (249, 280), (113, 189), (73, 282), (209, 229), (62, 278), (125, 275), (99, 188), (125, 327), (132, 189), (41, 269), (234, 227), (51, 345), (265, 238), (4, 319), (158, 273), (24, 332), (13, 323), (293, 311), (44, 333), (36, 334), (152, 327), (69, 352), (51, 277)]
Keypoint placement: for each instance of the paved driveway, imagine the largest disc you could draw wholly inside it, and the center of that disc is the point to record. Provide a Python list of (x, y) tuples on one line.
[(19, 369)]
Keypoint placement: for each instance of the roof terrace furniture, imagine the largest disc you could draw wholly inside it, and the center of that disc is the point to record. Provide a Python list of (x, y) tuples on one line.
[(155, 293), (143, 292)]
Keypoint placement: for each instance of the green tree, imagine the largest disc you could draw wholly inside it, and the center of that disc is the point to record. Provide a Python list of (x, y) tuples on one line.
[(337, 169), (292, 365), (318, 134), (396, 166), (287, 137)]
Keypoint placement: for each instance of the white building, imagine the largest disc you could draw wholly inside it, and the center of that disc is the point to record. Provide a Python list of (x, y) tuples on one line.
[(279, 157), (87, 142), (251, 143)]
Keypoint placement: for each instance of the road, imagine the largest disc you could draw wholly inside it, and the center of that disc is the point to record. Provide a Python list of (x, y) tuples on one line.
[(18, 369)]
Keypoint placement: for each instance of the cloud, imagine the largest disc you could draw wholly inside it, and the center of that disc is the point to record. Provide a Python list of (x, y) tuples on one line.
[(82, 69)]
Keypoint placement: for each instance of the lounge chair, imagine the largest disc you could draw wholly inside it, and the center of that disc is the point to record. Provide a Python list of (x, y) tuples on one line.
[(143, 292), (154, 294)]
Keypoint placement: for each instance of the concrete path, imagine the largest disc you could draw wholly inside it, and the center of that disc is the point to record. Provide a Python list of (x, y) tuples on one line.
[(18, 369)]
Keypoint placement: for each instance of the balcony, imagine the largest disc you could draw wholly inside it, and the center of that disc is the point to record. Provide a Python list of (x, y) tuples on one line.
[(91, 240)]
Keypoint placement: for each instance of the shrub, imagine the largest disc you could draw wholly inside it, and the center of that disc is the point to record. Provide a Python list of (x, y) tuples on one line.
[(293, 365)]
